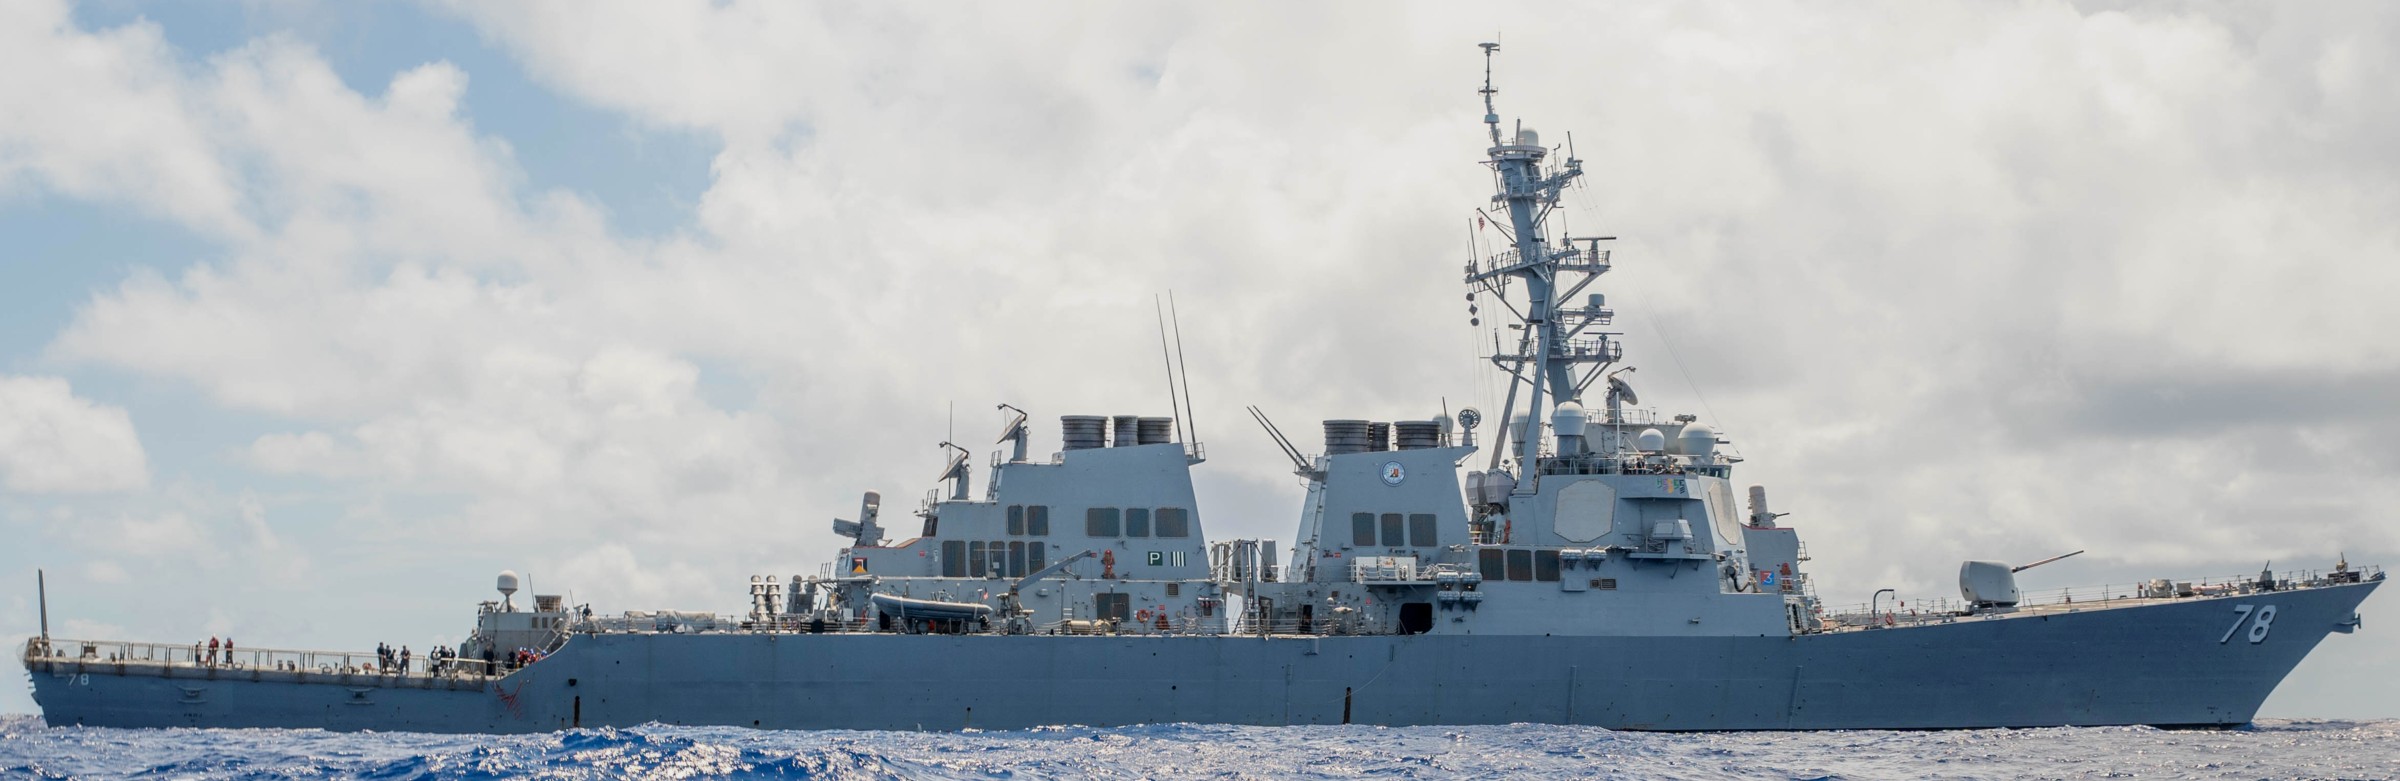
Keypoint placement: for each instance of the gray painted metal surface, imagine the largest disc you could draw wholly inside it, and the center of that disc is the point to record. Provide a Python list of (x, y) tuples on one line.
[(2159, 664), (1596, 569)]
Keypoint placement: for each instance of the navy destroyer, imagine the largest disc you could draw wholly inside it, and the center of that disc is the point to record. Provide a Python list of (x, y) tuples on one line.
[(1582, 560)]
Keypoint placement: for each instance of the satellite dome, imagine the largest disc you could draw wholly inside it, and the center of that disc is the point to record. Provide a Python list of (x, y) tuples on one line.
[(1650, 441), (1567, 420), (508, 582), (1697, 439)]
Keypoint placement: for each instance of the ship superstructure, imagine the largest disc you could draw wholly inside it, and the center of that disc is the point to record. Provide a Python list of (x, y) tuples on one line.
[(1581, 562)]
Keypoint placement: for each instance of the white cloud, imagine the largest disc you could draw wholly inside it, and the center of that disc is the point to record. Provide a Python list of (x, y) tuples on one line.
[(618, 444), (611, 575), (1966, 236), (105, 571), (1963, 244), (85, 629), (170, 534), (52, 441), (1980, 280), (115, 120)]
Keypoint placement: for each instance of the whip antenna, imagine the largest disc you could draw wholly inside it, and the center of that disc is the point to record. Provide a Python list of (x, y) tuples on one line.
[(1168, 359), (1183, 368), (1298, 462)]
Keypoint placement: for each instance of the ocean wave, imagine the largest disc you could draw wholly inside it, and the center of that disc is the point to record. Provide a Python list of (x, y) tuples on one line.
[(2270, 749)]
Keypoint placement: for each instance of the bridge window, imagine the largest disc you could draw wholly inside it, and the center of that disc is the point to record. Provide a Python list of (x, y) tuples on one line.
[(1489, 560), (999, 554), (1174, 522), (1391, 531), (1137, 522), (1016, 560), (1362, 530), (976, 563), (1037, 520), (1034, 557), (1545, 565), (1421, 530), (1100, 522), (1016, 520), (1520, 564), (954, 559)]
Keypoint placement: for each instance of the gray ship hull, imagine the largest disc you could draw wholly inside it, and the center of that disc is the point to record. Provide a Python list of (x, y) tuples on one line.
[(2173, 663)]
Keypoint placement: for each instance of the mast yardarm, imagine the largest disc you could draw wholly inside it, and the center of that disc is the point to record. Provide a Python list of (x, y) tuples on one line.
[(1557, 355)]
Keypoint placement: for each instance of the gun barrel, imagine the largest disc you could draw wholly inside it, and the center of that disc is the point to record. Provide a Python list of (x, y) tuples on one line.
[(2042, 562)]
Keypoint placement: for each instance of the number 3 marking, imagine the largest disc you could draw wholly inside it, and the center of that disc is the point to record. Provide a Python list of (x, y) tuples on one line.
[(2261, 618)]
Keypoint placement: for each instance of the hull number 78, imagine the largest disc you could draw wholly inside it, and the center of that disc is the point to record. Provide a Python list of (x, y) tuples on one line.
[(2260, 617)]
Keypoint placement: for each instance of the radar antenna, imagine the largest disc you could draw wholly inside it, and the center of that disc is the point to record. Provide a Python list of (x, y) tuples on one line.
[(1491, 116), (1014, 431), (863, 531), (956, 472), (1560, 350)]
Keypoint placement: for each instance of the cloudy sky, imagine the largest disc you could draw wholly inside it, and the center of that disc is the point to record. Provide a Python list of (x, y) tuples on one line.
[(313, 317)]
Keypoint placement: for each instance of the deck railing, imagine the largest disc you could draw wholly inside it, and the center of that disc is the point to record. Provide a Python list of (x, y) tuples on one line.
[(163, 655), (1895, 612), (1173, 624)]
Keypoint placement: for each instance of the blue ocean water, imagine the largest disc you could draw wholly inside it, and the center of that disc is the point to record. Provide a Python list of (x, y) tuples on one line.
[(2273, 749)]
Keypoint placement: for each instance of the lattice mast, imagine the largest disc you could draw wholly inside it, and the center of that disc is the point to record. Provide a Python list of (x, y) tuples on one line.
[(1557, 355)]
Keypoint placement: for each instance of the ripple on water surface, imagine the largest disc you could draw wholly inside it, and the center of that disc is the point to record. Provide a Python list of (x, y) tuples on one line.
[(2272, 749)]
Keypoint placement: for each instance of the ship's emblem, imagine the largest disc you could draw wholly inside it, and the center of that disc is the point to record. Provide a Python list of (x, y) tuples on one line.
[(1393, 473), (508, 698)]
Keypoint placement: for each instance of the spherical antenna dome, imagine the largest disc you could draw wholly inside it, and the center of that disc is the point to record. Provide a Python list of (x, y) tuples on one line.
[(1698, 439), (1650, 441), (508, 582), (1567, 420)]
